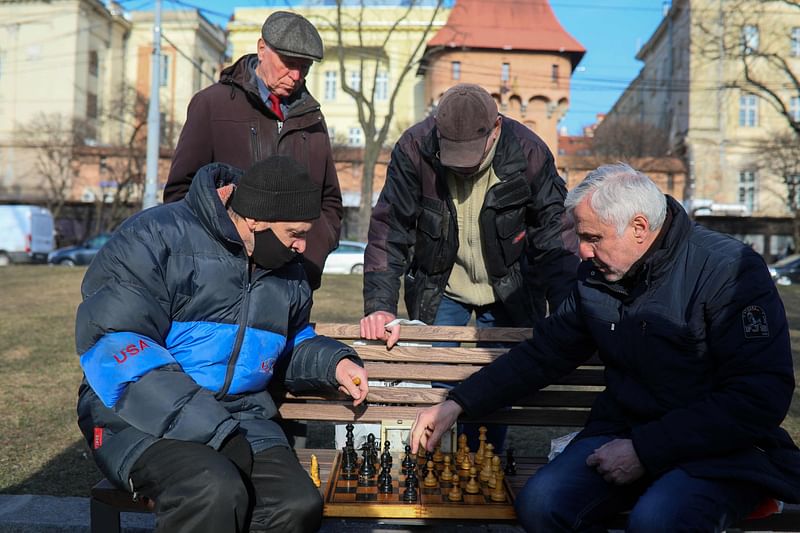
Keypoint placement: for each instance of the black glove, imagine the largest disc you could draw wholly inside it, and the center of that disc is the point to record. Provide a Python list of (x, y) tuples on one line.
[(237, 449)]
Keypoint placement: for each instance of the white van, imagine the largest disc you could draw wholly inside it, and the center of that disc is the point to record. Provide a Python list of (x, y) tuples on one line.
[(26, 234)]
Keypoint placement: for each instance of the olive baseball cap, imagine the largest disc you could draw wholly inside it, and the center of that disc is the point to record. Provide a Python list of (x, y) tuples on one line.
[(292, 35), (464, 119)]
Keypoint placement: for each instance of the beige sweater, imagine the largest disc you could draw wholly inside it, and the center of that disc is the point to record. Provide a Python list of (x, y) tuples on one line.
[(469, 281)]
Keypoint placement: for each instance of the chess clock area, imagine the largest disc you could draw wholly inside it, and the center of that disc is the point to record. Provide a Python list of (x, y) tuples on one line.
[(378, 484)]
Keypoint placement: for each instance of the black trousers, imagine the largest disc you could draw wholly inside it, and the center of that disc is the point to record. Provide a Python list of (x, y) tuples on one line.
[(198, 489)]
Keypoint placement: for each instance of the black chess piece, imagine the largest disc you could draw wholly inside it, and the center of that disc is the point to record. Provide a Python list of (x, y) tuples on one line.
[(386, 455), (407, 461), (511, 463), (385, 483), (373, 449), (367, 469), (412, 479), (410, 494), (349, 434), (348, 464)]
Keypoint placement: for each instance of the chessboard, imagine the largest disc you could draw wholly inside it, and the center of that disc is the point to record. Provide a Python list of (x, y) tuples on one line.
[(359, 489)]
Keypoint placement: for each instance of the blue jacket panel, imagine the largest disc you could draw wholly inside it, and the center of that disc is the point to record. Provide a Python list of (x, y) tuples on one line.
[(179, 337), (698, 364)]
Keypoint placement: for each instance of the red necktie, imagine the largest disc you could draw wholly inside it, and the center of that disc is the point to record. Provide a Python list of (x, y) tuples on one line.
[(276, 106)]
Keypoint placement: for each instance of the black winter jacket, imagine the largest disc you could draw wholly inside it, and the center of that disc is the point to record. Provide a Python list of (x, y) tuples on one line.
[(229, 123), (178, 338), (414, 231), (698, 365)]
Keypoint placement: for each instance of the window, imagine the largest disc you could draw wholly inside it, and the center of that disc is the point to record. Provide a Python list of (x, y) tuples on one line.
[(164, 79), (355, 80), (748, 110), (382, 85), (794, 108), (455, 70), (91, 105), (94, 62), (330, 85), (554, 73), (354, 139), (505, 72), (795, 42), (747, 189), (750, 38)]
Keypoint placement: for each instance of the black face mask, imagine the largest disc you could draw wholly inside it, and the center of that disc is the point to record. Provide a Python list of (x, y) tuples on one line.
[(269, 252)]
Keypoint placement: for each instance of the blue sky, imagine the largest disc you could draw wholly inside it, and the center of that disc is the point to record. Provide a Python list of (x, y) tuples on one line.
[(610, 30)]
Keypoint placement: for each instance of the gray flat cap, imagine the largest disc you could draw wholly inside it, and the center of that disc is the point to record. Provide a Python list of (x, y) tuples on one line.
[(292, 35)]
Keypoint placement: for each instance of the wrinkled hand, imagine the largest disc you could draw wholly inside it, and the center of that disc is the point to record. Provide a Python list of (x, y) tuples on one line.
[(373, 327), (617, 462), (431, 424), (352, 380)]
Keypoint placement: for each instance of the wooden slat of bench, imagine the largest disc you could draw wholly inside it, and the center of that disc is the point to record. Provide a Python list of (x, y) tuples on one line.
[(433, 333), (429, 354), (424, 396), (440, 372)]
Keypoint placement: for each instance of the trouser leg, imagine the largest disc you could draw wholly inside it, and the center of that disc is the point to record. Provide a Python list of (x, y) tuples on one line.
[(286, 500), (196, 488)]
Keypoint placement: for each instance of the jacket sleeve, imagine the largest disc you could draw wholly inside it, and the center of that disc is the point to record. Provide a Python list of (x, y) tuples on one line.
[(193, 151), (560, 343), (753, 382), (120, 334), (552, 268), (391, 234), (311, 358), (328, 227)]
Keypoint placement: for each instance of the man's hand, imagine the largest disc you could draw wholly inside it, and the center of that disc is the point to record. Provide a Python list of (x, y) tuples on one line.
[(617, 462), (352, 380), (373, 327), (431, 423)]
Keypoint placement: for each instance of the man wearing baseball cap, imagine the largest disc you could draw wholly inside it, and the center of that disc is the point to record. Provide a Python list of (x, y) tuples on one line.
[(261, 107), (188, 313), (470, 217)]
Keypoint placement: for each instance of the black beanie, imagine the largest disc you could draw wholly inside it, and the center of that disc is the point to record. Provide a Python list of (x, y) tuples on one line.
[(276, 189)]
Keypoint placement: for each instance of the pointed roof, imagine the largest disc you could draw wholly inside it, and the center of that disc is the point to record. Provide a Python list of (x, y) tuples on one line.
[(528, 25)]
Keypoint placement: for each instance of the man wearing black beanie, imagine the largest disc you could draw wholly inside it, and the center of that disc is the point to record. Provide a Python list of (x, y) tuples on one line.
[(188, 312)]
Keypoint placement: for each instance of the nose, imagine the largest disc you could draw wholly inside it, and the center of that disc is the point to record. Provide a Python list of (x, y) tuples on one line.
[(299, 246), (585, 250), (295, 74)]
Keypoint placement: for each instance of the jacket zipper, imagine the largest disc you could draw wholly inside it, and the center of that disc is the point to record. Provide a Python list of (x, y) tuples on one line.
[(254, 144), (237, 346)]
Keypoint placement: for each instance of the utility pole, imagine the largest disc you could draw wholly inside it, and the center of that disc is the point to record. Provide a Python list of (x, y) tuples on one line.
[(153, 116)]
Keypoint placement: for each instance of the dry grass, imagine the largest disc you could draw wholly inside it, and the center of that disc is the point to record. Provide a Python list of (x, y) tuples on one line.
[(42, 450)]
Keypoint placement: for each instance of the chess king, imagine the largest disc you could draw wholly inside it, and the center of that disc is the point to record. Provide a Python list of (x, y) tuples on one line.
[(216, 304)]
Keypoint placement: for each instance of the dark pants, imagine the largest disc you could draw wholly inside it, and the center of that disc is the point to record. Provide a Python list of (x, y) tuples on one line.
[(567, 495), (197, 489), (453, 313)]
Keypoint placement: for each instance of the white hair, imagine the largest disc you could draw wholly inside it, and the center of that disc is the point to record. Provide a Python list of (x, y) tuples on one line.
[(617, 193)]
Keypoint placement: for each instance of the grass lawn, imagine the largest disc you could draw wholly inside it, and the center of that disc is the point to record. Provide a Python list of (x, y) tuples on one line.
[(42, 450)]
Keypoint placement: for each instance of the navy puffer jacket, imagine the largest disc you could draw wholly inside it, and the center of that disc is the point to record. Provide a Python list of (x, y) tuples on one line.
[(178, 339), (698, 365)]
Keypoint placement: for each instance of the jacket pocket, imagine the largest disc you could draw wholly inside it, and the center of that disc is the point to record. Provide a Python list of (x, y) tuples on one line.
[(428, 248), (511, 233)]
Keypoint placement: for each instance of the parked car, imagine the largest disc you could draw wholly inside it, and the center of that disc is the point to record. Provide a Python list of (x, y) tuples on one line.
[(26, 234), (348, 258), (787, 270), (80, 254)]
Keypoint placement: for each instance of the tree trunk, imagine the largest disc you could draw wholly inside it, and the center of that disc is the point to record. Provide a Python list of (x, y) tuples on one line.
[(796, 232), (371, 152)]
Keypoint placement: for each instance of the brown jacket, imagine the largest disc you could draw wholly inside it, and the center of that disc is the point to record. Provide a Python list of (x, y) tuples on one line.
[(229, 123)]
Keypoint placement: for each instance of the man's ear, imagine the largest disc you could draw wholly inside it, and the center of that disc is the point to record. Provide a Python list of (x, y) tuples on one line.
[(641, 227)]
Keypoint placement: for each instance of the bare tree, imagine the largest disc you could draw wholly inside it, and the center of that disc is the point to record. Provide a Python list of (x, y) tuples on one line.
[(780, 155), (373, 60), (624, 138)]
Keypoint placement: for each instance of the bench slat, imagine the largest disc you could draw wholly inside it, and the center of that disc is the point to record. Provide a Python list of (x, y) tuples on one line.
[(440, 372), (433, 333)]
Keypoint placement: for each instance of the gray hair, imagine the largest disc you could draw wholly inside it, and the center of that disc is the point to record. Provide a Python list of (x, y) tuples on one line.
[(617, 194)]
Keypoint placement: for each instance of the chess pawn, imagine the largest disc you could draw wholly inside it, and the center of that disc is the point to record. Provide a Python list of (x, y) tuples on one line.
[(430, 479), (488, 452), (492, 481), (486, 471), (465, 465), (499, 492), (455, 492), (447, 474), (438, 456), (479, 454), (315, 471), (496, 463), (473, 487)]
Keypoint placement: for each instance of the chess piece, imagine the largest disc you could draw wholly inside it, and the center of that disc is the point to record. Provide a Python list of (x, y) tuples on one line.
[(406, 463), (367, 469), (455, 492), (488, 452), (495, 464), (479, 454), (410, 494), (447, 474), (385, 485), (511, 463), (473, 487), (349, 464), (315, 471), (438, 456), (486, 471), (492, 482), (499, 492), (373, 449), (386, 455), (430, 480), (465, 465), (411, 478)]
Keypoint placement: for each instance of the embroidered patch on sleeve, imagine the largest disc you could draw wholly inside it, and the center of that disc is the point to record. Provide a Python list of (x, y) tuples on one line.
[(754, 322)]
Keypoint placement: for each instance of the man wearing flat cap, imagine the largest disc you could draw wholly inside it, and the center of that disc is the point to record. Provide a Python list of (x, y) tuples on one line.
[(261, 107), (188, 313), (470, 218)]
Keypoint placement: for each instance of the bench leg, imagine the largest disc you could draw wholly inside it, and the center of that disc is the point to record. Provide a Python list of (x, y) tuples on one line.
[(104, 518)]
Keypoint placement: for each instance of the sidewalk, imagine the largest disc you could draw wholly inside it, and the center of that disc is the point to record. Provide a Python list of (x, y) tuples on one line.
[(49, 514)]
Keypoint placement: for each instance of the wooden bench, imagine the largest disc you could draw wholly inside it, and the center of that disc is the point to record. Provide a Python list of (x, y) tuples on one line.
[(563, 405)]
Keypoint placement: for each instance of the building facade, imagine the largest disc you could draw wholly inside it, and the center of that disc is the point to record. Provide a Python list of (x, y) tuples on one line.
[(715, 76)]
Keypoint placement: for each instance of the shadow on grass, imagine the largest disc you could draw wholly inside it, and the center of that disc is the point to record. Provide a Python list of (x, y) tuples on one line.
[(71, 473)]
